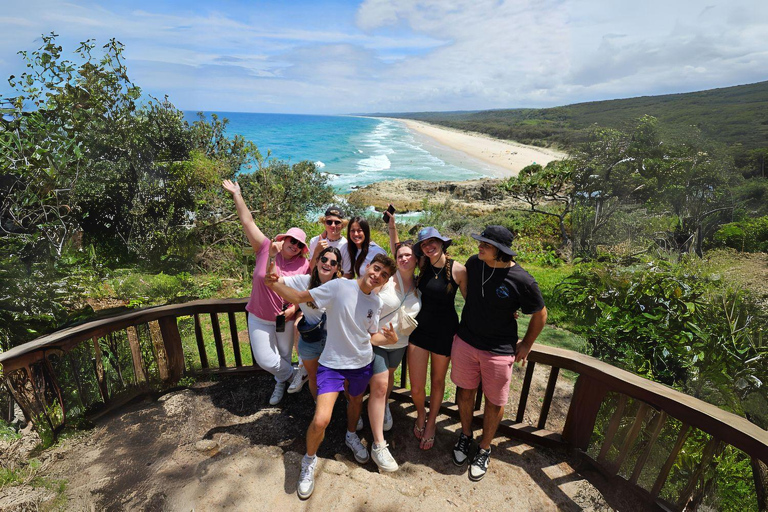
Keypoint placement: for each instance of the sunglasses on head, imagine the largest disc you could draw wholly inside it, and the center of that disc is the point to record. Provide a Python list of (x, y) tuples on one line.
[(330, 222), (295, 242), (326, 259)]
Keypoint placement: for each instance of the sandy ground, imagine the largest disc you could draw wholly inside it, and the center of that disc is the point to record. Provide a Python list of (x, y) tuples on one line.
[(506, 158), (221, 446)]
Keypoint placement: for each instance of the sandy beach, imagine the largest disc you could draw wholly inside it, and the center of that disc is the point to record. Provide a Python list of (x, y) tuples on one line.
[(504, 158)]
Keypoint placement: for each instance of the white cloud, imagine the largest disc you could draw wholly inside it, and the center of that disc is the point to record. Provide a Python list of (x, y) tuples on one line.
[(398, 55)]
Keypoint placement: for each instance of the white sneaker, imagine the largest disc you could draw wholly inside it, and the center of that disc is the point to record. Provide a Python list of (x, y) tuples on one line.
[(387, 419), (354, 444), (300, 378), (359, 423), (383, 458), (277, 394), (307, 477)]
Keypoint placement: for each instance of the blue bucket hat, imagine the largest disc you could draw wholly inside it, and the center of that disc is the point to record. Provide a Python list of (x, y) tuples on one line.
[(426, 234)]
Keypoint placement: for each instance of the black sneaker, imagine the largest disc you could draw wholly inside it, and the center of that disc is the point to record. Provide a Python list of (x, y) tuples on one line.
[(479, 465), (461, 449)]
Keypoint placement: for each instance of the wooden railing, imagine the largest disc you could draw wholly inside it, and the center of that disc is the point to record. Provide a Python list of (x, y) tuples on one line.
[(634, 430)]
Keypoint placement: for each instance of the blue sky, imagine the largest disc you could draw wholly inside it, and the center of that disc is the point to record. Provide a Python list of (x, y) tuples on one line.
[(331, 57)]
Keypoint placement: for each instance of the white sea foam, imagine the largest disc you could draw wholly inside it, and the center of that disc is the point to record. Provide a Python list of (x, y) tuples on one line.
[(374, 163), (319, 164)]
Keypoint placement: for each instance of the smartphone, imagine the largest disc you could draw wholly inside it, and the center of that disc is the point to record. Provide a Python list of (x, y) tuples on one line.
[(385, 217), (280, 323)]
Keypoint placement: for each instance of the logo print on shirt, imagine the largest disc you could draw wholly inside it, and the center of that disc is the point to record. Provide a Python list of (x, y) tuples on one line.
[(502, 292), (370, 314)]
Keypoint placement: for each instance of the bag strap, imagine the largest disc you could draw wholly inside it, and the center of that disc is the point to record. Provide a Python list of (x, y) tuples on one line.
[(401, 302)]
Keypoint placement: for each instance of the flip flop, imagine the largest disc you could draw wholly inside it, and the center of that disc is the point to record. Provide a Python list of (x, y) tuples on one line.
[(427, 443), (418, 432)]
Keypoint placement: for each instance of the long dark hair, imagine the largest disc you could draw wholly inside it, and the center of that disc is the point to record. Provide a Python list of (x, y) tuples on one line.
[(358, 259), (314, 277)]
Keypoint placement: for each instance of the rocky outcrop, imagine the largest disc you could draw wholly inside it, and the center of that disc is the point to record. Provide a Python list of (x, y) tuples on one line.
[(480, 196)]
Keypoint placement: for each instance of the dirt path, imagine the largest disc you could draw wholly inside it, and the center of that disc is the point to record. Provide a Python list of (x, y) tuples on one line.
[(220, 446)]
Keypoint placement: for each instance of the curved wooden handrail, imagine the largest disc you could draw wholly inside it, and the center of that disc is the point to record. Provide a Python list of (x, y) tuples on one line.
[(31, 377)]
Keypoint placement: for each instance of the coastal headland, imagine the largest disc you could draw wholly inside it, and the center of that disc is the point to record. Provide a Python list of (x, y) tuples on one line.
[(503, 158)]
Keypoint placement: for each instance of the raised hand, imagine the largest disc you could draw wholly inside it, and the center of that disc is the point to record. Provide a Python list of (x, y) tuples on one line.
[(390, 334), (391, 222), (271, 277), (230, 186), (275, 248)]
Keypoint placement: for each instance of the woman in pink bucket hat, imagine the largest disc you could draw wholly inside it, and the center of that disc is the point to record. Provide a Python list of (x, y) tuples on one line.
[(270, 319)]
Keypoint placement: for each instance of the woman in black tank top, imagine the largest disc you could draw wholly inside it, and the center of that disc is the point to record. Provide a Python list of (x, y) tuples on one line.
[(439, 278)]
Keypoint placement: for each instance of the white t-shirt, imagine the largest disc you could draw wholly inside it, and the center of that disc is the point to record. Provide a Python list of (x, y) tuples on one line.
[(351, 318), (301, 283), (341, 245), (390, 309), (373, 250)]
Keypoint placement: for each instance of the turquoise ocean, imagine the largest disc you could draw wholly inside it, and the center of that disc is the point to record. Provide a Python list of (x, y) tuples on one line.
[(353, 151)]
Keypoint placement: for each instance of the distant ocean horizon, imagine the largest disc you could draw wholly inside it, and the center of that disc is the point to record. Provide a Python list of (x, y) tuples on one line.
[(353, 151)]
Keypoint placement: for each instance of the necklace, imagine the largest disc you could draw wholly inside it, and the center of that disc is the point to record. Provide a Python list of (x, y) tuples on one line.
[(437, 274), (482, 286)]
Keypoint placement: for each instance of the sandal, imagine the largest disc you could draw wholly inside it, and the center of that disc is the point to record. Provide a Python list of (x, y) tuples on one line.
[(418, 432), (427, 443)]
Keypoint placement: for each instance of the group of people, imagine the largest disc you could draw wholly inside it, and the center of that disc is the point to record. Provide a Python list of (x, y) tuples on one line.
[(359, 312)]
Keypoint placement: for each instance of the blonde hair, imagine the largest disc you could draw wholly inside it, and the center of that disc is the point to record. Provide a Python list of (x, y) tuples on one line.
[(344, 222)]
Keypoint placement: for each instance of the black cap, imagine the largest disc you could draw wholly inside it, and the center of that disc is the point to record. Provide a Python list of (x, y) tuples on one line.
[(335, 211), (499, 237)]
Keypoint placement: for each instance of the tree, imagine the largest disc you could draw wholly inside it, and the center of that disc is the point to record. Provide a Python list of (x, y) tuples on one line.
[(540, 187)]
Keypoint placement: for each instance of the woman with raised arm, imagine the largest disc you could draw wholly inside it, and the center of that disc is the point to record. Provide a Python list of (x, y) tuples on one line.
[(360, 248), (439, 278), (400, 305), (312, 332), (271, 343)]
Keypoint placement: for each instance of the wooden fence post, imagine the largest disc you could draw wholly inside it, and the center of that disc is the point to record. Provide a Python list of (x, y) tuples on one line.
[(173, 350), (588, 395)]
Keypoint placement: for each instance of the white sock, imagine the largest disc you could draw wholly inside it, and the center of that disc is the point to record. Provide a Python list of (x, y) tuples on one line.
[(310, 457), (350, 434)]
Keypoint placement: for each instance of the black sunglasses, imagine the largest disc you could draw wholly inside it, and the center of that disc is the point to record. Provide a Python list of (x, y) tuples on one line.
[(326, 259), (293, 241), (330, 222)]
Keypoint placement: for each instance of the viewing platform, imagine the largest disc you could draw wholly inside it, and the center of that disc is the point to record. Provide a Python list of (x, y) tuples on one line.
[(591, 436)]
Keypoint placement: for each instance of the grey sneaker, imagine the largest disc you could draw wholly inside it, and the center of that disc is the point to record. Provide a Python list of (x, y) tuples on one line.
[(461, 449), (307, 477), (277, 394), (383, 458), (354, 444), (387, 419), (479, 465), (300, 377)]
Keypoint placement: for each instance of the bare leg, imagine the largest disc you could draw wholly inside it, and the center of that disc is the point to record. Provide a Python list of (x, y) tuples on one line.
[(491, 418), (316, 431), (377, 401), (311, 366), (439, 369), (465, 399), (417, 366), (354, 407)]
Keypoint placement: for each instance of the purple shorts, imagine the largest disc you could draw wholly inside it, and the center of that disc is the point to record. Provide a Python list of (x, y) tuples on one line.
[(332, 381)]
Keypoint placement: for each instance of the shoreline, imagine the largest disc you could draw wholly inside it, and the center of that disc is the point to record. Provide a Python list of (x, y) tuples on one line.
[(502, 158)]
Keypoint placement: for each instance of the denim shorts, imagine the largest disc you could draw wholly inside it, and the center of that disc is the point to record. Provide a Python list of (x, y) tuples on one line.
[(310, 351)]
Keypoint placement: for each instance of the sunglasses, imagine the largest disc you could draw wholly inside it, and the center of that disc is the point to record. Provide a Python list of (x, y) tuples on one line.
[(295, 242), (330, 222), (326, 259)]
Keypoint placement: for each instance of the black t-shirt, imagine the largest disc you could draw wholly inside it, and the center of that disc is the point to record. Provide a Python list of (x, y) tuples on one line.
[(488, 322)]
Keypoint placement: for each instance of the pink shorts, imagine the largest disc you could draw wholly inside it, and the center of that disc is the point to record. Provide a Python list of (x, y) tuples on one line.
[(470, 364)]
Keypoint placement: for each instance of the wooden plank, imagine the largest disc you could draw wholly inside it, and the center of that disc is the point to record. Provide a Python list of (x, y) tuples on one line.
[(217, 340), (200, 342), (660, 419), (667, 467), (138, 361), (174, 352), (529, 367), (235, 339), (714, 445), (250, 347), (613, 427), (629, 441), (98, 364), (588, 396), (548, 394), (156, 336)]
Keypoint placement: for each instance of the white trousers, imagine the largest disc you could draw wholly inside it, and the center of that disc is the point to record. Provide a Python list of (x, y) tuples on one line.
[(272, 350)]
